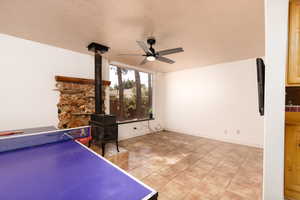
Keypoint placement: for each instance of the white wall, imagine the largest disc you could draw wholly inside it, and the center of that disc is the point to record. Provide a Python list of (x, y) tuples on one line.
[(215, 102), (27, 71), (276, 52)]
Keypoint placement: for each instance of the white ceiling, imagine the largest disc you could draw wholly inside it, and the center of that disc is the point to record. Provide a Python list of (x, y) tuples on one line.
[(210, 31)]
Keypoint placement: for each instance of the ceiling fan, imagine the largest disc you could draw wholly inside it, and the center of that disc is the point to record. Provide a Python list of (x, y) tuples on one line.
[(152, 55)]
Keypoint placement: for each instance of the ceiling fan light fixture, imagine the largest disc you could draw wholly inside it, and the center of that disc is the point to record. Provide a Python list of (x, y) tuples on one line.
[(151, 58), (151, 55)]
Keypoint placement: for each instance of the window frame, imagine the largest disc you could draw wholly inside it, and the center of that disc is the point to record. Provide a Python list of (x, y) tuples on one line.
[(133, 68)]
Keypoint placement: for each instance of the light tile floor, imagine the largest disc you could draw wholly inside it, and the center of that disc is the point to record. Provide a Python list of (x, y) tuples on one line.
[(184, 167)]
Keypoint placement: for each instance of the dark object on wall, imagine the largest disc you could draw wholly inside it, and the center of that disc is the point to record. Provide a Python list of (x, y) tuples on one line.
[(292, 96), (104, 127), (261, 85), (150, 116)]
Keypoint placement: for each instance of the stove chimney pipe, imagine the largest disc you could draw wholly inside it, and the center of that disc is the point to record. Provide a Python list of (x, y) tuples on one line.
[(98, 49)]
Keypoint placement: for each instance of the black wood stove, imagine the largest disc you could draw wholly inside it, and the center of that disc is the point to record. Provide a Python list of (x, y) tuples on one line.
[(104, 127)]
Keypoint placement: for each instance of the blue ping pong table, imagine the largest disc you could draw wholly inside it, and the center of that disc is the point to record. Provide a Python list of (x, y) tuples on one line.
[(52, 165)]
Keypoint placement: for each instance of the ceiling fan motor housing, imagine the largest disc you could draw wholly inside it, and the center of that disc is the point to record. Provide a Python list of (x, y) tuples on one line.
[(151, 41)]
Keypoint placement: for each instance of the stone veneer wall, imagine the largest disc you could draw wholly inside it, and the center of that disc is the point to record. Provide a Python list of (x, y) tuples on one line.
[(77, 101)]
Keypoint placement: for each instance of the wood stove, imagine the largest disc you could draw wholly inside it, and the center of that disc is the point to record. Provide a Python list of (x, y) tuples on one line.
[(104, 127), (104, 130)]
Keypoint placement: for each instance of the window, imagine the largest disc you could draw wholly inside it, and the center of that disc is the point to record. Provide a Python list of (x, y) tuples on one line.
[(130, 93)]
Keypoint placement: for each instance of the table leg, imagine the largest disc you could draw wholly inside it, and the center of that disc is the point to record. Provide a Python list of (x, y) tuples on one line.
[(103, 149), (117, 143)]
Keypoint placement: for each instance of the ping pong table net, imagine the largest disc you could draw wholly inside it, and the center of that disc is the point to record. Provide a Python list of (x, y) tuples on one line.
[(21, 141)]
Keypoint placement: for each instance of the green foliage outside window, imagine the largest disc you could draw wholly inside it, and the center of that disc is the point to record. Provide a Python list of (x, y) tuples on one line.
[(130, 93)]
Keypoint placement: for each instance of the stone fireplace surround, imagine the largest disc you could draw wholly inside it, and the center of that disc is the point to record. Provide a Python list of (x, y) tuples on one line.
[(76, 100)]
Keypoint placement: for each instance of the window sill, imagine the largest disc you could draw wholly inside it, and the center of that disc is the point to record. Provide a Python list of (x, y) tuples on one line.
[(133, 121)]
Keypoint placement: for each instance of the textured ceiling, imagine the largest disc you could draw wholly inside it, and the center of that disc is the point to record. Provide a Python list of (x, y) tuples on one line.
[(210, 31)]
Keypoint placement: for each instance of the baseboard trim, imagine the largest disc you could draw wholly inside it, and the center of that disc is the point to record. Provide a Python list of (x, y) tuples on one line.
[(220, 139)]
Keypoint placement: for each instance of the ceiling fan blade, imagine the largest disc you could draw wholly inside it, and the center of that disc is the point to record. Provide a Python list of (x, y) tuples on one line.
[(169, 51), (166, 60), (143, 62), (143, 46), (122, 54)]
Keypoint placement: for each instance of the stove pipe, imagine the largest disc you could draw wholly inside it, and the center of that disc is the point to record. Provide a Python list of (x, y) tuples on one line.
[(98, 49), (98, 84)]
